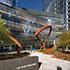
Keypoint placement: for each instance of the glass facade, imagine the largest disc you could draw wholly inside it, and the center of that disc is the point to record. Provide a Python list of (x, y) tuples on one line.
[(20, 23), (17, 3), (10, 16), (68, 13), (18, 19), (56, 7), (61, 7), (7, 2)]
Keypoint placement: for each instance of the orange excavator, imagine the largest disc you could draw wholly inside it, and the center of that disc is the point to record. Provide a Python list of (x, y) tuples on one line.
[(37, 32)]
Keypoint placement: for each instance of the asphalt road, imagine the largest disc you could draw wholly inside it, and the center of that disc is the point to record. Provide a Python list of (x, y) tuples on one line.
[(22, 63)]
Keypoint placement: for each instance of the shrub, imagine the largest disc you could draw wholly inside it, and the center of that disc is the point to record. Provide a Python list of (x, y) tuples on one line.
[(4, 39), (64, 39)]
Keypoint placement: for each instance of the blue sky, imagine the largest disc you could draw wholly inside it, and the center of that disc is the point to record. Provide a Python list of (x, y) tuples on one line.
[(33, 4), (29, 4)]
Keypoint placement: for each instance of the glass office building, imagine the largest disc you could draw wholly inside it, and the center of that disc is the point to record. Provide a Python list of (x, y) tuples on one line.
[(68, 13), (17, 3), (7, 2), (61, 7)]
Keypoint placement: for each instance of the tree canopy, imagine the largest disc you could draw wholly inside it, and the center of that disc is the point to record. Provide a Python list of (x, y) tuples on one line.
[(4, 39), (64, 39)]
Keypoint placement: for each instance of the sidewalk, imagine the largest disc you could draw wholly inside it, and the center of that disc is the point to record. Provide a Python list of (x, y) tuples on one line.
[(50, 63)]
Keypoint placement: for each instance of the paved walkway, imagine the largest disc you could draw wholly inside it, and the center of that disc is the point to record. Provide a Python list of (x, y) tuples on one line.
[(50, 63)]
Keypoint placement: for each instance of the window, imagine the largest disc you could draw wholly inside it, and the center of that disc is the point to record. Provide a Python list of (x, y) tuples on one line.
[(10, 18)]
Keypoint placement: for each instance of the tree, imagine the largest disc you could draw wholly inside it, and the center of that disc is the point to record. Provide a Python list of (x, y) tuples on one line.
[(64, 39), (4, 39)]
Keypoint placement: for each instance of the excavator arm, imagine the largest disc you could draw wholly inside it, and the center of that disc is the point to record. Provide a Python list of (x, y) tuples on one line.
[(39, 31), (15, 41)]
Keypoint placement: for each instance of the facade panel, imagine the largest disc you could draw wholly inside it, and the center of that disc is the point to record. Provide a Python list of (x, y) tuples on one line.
[(7, 2)]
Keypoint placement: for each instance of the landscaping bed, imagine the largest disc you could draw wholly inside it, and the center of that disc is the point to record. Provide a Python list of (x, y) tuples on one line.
[(56, 53), (62, 55)]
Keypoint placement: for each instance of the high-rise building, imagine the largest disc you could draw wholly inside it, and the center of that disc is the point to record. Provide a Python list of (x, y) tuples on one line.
[(45, 4), (66, 13), (50, 8), (55, 7), (68, 4), (61, 7), (7, 2), (17, 3)]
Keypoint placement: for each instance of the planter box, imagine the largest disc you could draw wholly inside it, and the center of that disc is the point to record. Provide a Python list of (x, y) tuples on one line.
[(24, 63)]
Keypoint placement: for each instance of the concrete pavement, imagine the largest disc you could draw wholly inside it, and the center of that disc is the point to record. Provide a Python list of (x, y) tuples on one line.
[(50, 63)]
